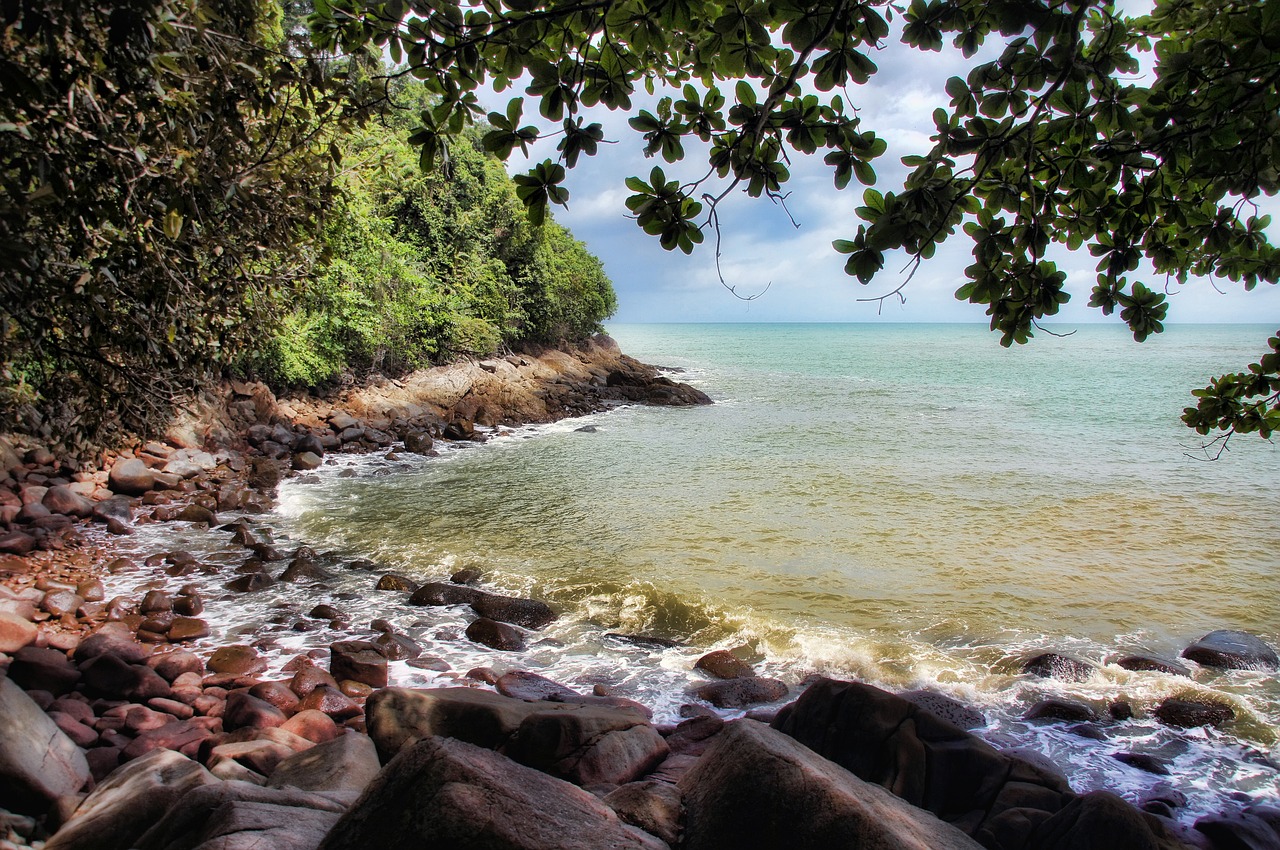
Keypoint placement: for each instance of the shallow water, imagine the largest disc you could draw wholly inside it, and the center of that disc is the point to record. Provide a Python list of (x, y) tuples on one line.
[(910, 505)]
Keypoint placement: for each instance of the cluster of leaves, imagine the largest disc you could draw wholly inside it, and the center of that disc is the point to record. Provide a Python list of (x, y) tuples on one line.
[(1053, 141), (416, 268), (159, 164)]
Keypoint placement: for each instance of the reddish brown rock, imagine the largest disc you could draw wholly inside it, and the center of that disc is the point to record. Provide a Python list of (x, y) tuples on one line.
[(308, 679), (496, 635), (37, 668), (187, 628), (115, 638), (236, 660), (64, 500), (358, 661), (15, 632), (330, 701), (173, 664), (723, 664), (277, 694), (313, 725), (737, 693)]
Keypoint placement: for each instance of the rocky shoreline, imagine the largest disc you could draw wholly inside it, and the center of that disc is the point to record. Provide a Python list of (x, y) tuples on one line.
[(114, 733)]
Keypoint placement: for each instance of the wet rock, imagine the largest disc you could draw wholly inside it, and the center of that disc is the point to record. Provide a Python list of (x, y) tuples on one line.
[(331, 701), (1144, 762), (392, 581), (1120, 710), (418, 442), (807, 802), (496, 635), (1064, 668), (359, 661), (1245, 830), (171, 665), (529, 613), (949, 709), (1232, 650), (38, 762), (261, 756), (396, 647), (430, 662), (188, 605), (1101, 819), (650, 642), (1153, 664), (16, 542), (315, 726), (465, 576), (305, 569), (737, 693), (723, 664), (1069, 710), (887, 740), (183, 736), (306, 461), (199, 514), (447, 793), (117, 508), (244, 709), (692, 736), (250, 582), (131, 477), (345, 764), (1193, 713), (115, 638), (187, 628), (523, 685), (237, 660), (308, 678)]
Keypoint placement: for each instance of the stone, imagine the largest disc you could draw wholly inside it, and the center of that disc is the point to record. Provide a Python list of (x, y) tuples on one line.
[(345, 764), (736, 693), (305, 569), (114, 638), (38, 668), (116, 508), (308, 679), (1056, 708), (359, 661), (523, 685), (38, 762), (109, 676), (237, 815), (397, 647), (16, 542), (949, 709), (418, 442), (496, 635), (183, 736), (392, 581), (259, 755), (332, 702), (198, 514), (250, 582), (236, 659), (187, 628), (1144, 762), (723, 664), (655, 807), (1152, 664), (131, 477), (1247, 830), (1232, 650), (807, 802), (276, 694), (64, 500), (315, 726), (529, 613), (307, 461), (1100, 819), (15, 632), (244, 709), (1193, 713), (928, 762), (132, 798), (1053, 665), (466, 576), (585, 744), (59, 602), (447, 793), (171, 665)]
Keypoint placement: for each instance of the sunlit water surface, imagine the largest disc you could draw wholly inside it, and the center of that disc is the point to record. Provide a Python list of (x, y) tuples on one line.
[(908, 505)]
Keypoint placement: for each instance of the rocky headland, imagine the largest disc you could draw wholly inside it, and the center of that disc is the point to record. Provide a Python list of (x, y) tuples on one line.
[(120, 729)]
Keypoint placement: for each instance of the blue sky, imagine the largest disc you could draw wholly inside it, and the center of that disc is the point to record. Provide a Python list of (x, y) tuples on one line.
[(805, 277)]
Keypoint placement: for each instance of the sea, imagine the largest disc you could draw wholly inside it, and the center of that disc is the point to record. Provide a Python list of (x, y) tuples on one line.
[(908, 505)]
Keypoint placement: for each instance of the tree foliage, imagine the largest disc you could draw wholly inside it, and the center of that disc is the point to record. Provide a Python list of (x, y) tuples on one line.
[(1056, 138), (159, 161), (415, 268)]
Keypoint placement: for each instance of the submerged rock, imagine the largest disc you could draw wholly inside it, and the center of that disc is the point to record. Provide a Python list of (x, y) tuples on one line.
[(1233, 650), (1193, 713), (1053, 665)]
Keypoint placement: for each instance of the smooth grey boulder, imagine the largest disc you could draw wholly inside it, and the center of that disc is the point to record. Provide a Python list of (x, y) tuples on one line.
[(1233, 650), (346, 765), (806, 801), (131, 477), (129, 801), (38, 762), (441, 792)]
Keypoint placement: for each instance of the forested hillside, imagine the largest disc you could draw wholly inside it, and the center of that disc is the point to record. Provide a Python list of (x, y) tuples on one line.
[(187, 191)]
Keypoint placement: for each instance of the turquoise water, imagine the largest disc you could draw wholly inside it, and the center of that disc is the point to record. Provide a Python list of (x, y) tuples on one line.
[(911, 505)]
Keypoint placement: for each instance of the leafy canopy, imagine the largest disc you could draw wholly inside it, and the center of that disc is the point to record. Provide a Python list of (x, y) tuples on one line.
[(1056, 140)]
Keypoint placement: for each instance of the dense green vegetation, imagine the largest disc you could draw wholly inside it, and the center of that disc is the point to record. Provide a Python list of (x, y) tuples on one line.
[(187, 190), (1058, 138)]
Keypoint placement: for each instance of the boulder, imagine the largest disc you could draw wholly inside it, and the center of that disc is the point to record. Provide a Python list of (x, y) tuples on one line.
[(723, 664), (64, 500), (447, 793), (37, 668), (230, 760), (585, 744), (38, 762), (496, 635), (655, 807), (737, 693), (1247, 830), (1056, 708), (918, 756), (345, 764), (1192, 713), (16, 542), (197, 513), (392, 581), (236, 815), (523, 685), (305, 569), (114, 638), (806, 802), (331, 701), (1233, 651), (359, 661), (15, 632), (1053, 665), (1152, 664), (116, 508), (418, 442), (245, 710), (1102, 820), (132, 798), (131, 477), (949, 709), (237, 660), (108, 676), (307, 461), (529, 613)]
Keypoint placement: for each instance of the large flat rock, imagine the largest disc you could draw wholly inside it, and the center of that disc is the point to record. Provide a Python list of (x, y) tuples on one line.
[(38, 763)]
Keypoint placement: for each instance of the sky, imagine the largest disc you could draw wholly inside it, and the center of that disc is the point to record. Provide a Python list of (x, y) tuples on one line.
[(804, 276)]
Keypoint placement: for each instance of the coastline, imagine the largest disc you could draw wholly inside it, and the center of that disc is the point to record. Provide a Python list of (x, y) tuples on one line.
[(550, 385)]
